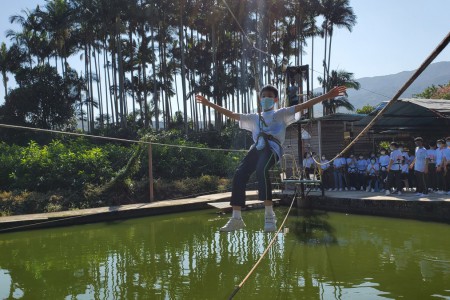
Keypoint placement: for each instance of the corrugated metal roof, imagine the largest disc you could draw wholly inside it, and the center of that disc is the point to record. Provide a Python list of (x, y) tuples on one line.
[(337, 117), (412, 114)]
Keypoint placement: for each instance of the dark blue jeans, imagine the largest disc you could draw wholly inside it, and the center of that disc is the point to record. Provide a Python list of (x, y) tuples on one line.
[(256, 160)]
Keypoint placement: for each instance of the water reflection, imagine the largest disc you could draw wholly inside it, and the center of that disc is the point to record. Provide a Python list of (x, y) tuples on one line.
[(325, 256)]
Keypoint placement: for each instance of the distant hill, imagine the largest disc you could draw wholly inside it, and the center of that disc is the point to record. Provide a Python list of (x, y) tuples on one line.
[(373, 89)]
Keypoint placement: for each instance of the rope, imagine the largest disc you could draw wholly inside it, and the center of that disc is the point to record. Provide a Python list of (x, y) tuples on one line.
[(238, 287), (416, 74), (115, 139), (243, 32)]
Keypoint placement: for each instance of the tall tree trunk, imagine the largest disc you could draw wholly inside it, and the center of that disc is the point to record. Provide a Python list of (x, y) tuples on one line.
[(99, 90), (329, 56), (183, 72)]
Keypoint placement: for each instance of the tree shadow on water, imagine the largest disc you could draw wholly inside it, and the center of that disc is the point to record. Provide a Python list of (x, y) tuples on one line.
[(312, 227)]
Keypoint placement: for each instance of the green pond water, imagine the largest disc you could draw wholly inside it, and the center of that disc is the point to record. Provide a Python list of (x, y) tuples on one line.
[(184, 256)]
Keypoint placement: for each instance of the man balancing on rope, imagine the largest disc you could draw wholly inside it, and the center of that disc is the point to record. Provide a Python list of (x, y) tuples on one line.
[(268, 130)]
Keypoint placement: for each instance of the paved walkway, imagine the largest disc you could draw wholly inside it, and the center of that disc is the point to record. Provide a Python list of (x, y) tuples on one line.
[(348, 201), (407, 196)]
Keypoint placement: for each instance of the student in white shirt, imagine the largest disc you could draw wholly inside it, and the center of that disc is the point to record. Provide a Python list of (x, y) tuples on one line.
[(394, 170), (308, 165), (338, 173), (432, 176), (268, 130), (372, 171), (405, 174), (420, 165), (325, 173), (441, 145), (384, 162), (352, 172), (446, 166)]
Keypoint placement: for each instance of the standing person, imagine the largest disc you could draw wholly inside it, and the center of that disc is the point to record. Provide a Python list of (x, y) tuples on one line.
[(441, 145), (394, 170), (446, 166), (384, 162), (432, 176), (405, 153), (361, 165), (338, 173), (352, 173), (308, 165), (268, 130), (372, 172), (420, 165), (325, 172), (293, 93), (405, 174)]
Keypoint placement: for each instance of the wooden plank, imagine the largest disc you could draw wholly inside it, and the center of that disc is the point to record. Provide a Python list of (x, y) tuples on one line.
[(226, 205)]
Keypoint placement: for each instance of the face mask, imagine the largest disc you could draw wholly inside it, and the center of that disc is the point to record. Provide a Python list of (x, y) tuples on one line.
[(448, 144), (361, 157), (392, 148), (401, 149), (267, 103), (323, 157), (383, 152), (372, 161), (439, 145)]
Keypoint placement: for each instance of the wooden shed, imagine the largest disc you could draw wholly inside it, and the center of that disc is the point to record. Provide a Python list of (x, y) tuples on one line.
[(328, 135)]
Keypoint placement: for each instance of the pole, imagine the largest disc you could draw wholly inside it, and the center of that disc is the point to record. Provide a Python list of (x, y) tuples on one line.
[(150, 171)]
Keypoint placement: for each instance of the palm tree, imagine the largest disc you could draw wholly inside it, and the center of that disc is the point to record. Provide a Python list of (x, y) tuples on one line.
[(338, 78), (10, 61), (336, 13)]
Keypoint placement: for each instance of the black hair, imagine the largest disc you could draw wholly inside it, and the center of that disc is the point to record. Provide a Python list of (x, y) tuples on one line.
[(394, 144), (269, 88)]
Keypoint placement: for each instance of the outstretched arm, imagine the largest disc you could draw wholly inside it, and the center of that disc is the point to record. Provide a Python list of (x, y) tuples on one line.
[(203, 101), (336, 91)]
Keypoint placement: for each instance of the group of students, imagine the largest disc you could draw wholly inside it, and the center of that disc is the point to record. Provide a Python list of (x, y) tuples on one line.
[(394, 171)]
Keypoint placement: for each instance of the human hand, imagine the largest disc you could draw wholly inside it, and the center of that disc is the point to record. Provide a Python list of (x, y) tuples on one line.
[(337, 91), (202, 100)]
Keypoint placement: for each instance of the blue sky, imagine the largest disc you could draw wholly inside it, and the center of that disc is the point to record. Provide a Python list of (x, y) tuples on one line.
[(390, 36)]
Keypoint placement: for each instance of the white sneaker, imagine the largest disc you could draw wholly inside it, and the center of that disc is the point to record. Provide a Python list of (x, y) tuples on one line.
[(362, 189), (387, 192), (448, 193), (335, 190), (232, 225), (340, 190), (270, 223), (372, 191), (346, 189), (440, 192), (399, 193)]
